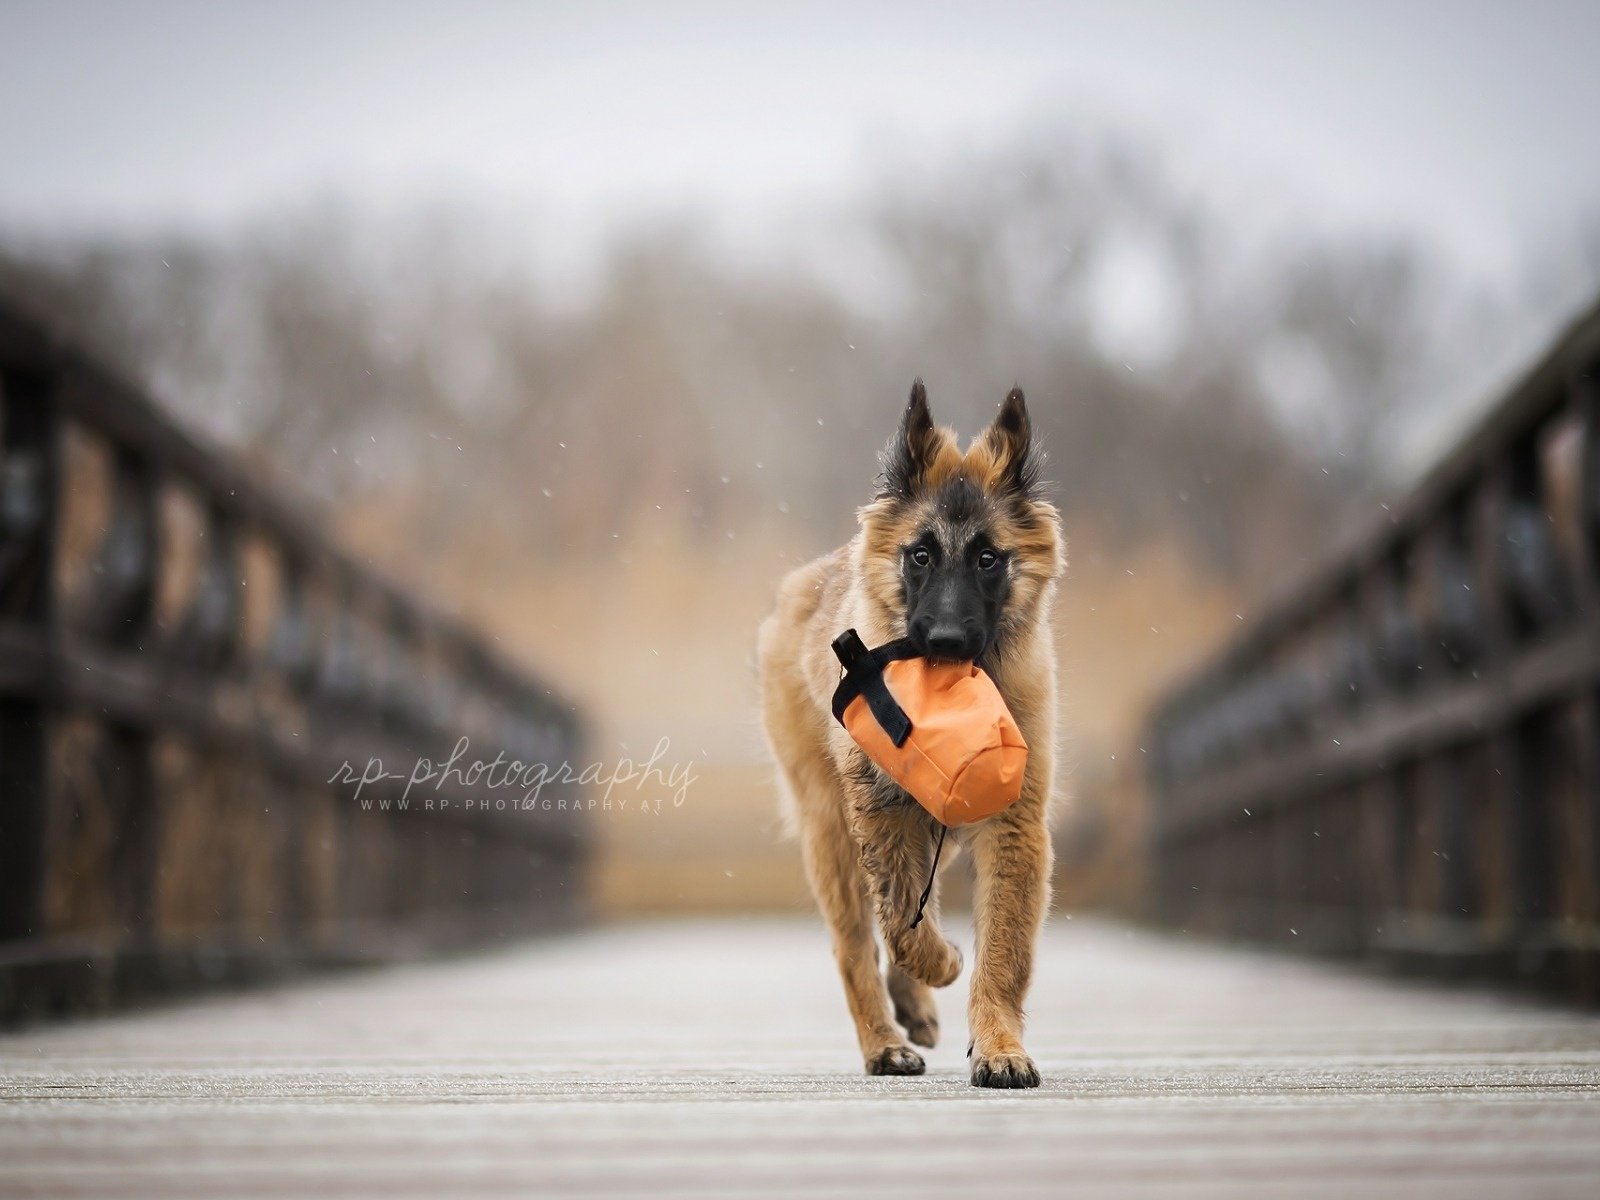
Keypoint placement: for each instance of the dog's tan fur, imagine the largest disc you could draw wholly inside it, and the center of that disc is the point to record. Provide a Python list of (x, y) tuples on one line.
[(867, 858)]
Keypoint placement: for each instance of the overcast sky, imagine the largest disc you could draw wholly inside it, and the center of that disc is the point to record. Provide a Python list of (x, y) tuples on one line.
[(1471, 124)]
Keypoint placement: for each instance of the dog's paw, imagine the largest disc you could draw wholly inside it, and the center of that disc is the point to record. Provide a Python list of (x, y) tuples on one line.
[(923, 1031), (1004, 1071), (934, 961), (945, 968), (896, 1060)]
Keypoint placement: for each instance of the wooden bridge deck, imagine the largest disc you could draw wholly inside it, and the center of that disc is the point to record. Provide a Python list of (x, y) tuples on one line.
[(714, 1058)]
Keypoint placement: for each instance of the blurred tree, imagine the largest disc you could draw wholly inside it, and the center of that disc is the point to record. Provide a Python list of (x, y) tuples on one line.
[(1191, 383)]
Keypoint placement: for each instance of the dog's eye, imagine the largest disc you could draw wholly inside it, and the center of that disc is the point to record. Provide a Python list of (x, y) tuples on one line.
[(988, 560), (921, 556)]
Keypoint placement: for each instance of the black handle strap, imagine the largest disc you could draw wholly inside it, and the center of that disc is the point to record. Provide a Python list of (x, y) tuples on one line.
[(932, 871), (863, 676)]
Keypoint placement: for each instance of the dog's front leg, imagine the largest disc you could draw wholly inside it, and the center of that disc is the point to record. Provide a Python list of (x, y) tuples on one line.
[(897, 855), (1011, 863)]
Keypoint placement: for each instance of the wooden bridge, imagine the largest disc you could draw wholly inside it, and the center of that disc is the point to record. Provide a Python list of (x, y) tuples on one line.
[(1396, 765)]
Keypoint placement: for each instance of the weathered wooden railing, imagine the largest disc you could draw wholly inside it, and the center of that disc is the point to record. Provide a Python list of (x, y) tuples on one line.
[(1402, 758), (185, 664)]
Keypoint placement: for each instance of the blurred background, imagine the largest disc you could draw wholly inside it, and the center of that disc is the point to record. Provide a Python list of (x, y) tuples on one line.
[(588, 323)]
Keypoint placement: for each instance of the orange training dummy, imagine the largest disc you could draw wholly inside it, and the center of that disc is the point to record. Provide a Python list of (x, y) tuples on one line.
[(939, 730)]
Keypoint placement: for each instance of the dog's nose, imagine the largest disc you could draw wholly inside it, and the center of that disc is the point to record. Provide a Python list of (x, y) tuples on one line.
[(950, 642)]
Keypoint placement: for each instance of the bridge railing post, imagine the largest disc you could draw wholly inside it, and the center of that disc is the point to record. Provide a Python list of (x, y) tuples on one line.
[(30, 482)]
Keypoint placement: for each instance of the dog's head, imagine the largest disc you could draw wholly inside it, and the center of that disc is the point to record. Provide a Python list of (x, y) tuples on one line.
[(959, 548)]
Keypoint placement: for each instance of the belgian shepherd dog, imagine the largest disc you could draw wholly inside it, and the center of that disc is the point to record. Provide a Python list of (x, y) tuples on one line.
[(960, 552)]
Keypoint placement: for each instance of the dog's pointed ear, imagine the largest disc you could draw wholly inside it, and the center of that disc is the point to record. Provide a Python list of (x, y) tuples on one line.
[(912, 449), (1010, 441)]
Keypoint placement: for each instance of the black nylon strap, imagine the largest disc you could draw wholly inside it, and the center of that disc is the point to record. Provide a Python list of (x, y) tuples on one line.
[(863, 676), (932, 872)]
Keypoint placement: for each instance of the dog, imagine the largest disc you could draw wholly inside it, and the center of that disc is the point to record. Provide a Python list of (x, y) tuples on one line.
[(959, 551)]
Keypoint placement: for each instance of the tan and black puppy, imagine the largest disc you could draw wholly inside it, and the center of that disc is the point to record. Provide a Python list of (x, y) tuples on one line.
[(959, 552)]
